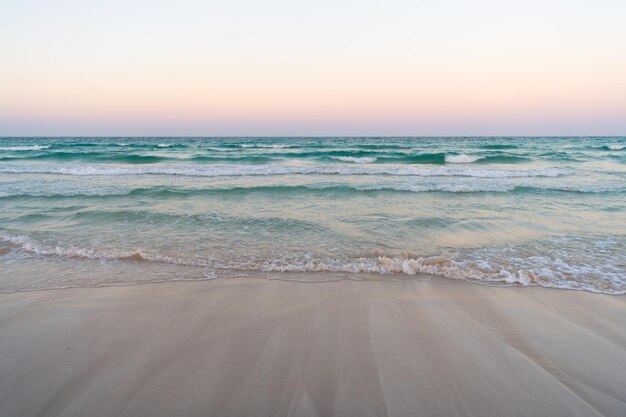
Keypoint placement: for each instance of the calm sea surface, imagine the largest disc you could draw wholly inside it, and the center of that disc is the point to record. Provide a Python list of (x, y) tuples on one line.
[(82, 212)]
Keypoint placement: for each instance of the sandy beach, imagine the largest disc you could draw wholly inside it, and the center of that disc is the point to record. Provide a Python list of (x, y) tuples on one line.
[(254, 347), (312, 209)]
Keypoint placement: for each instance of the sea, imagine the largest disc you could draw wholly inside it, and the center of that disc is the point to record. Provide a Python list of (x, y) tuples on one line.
[(499, 211)]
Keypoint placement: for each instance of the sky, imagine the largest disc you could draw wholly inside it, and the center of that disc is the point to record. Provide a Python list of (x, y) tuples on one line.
[(306, 68)]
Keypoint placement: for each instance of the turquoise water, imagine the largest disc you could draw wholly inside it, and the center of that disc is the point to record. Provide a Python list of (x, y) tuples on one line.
[(81, 212)]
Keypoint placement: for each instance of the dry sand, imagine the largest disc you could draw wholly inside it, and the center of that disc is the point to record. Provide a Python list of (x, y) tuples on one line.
[(251, 347)]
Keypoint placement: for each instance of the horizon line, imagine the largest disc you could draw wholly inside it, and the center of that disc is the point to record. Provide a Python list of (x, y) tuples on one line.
[(303, 136)]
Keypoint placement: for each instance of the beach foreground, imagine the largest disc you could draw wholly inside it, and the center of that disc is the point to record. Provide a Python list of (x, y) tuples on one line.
[(255, 347)]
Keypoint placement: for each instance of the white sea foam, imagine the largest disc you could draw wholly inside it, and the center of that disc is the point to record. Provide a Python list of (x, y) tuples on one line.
[(216, 149), (24, 148), (264, 145), (450, 187), (464, 187), (547, 272), (421, 188), (362, 160), (461, 159), (616, 147), (266, 170), (32, 246), (542, 270)]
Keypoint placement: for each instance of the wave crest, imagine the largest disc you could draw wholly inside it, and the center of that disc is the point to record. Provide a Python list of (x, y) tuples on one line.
[(462, 159), (361, 160), (24, 148), (540, 270), (270, 169)]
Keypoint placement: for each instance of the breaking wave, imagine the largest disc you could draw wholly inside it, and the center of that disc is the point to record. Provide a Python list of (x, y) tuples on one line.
[(462, 159), (165, 192), (24, 148), (480, 267), (361, 160), (270, 169)]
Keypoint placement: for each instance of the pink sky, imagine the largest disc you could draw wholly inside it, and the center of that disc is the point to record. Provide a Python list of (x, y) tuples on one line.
[(333, 68)]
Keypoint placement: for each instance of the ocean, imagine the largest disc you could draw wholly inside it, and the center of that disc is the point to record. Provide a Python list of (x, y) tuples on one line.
[(513, 211)]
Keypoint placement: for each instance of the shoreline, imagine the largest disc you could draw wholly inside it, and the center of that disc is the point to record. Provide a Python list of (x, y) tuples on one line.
[(330, 277), (250, 346)]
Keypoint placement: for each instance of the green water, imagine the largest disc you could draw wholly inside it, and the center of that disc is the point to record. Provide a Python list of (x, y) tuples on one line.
[(497, 211)]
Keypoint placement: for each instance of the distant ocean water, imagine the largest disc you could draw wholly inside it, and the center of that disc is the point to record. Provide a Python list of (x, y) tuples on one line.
[(83, 212)]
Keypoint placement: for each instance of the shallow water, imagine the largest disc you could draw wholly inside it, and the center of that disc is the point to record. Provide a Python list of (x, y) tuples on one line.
[(498, 211)]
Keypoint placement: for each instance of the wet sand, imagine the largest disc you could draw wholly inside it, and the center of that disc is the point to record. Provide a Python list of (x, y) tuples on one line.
[(254, 347)]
